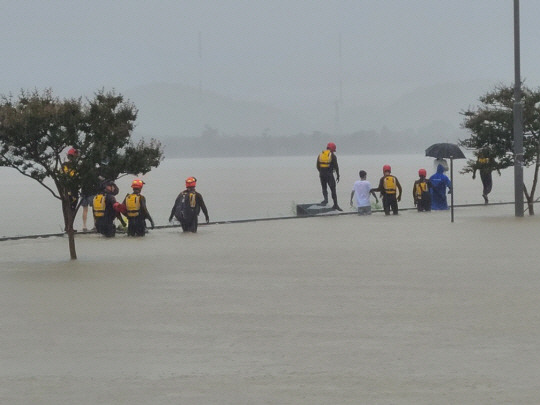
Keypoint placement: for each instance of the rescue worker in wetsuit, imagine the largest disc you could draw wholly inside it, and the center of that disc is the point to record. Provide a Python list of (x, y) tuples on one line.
[(421, 194), (485, 166), (187, 207), (68, 168), (136, 211), (389, 187), (106, 209), (326, 165)]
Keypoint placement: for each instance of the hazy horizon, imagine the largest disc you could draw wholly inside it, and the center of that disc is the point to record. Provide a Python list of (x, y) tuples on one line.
[(332, 64)]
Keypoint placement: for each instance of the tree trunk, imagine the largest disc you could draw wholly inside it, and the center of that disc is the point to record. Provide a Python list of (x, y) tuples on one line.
[(69, 218), (530, 205)]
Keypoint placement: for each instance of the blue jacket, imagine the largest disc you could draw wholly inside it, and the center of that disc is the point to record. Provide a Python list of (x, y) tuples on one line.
[(439, 182)]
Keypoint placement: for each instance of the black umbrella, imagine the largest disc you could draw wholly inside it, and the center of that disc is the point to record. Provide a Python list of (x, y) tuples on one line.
[(447, 151)]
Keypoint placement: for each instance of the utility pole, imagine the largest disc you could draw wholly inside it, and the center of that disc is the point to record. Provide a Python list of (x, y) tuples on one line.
[(518, 120), (339, 101)]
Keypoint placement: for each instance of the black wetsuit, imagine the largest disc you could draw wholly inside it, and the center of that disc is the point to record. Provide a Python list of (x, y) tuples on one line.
[(422, 201), (189, 224), (137, 224), (105, 223), (389, 197), (326, 175)]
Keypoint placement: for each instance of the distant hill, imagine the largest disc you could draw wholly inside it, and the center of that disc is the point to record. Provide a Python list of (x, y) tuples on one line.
[(431, 114), (174, 110)]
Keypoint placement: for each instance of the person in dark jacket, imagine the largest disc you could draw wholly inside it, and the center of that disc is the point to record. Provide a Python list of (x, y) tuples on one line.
[(187, 207), (389, 187), (326, 165), (105, 209), (136, 211)]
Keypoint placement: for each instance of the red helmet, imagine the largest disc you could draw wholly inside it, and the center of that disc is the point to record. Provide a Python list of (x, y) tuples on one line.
[(137, 183), (73, 152), (387, 168), (191, 182), (422, 172), (331, 146)]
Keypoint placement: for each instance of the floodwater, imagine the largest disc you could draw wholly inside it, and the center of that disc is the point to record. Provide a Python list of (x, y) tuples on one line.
[(407, 309), (236, 188)]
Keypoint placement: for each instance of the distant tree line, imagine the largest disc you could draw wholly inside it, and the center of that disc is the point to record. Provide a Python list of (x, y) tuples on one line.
[(212, 143)]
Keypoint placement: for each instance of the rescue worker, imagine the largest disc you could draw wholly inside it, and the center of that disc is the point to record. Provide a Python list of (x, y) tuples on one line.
[(68, 168), (187, 207), (136, 211), (486, 166), (439, 183), (106, 209), (389, 187), (326, 165), (421, 192)]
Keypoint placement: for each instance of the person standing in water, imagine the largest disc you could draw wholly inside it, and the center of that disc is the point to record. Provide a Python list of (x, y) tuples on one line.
[(136, 210), (362, 189), (326, 165), (105, 209), (187, 207), (421, 192), (390, 190), (439, 183)]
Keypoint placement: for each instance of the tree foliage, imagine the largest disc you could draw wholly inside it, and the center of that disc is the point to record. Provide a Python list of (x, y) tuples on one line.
[(492, 133), (36, 130)]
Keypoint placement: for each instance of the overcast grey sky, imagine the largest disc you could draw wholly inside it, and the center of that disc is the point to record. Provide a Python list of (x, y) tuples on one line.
[(282, 52)]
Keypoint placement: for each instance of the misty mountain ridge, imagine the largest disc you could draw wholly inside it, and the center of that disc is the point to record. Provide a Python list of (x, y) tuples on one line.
[(175, 110), (427, 114)]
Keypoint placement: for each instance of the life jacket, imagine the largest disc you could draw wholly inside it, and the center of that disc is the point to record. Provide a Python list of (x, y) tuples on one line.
[(133, 205), (67, 169), (186, 210), (325, 158), (389, 184), (421, 188), (98, 205)]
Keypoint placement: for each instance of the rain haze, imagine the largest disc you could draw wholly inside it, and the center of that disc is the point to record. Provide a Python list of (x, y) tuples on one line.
[(269, 309), (276, 68)]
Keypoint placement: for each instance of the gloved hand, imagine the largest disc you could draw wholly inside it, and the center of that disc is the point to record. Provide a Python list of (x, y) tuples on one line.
[(337, 180), (170, 219), (351, 203), (415, 202), (207, 219), (474, 176), (152, 224), (399, 199)]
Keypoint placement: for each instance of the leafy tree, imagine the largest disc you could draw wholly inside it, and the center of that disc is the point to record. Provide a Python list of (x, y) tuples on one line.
[(36, 130), (492, 133)]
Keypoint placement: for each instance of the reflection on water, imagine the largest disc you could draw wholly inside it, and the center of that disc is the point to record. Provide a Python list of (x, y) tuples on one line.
[(236, 188)]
